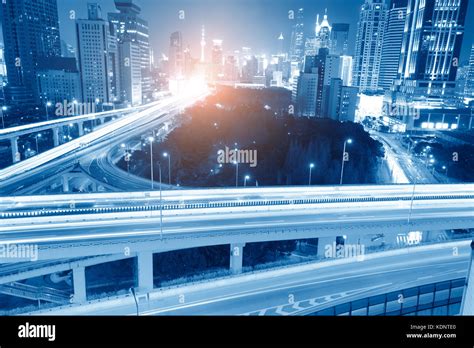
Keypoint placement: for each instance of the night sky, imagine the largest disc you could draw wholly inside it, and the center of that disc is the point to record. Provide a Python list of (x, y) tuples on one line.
[(252, 23)]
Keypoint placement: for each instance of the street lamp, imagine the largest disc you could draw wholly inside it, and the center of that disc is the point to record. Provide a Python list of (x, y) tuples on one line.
[(4, 108), (311, 166), (47, 105), (247, 177), (347, 141), (161, 202), (236, 173), (151, 139), (166, 154), (36, 138)]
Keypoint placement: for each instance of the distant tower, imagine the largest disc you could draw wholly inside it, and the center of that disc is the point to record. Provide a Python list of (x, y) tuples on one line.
[(323, 31), (281, 41), (203, 44)]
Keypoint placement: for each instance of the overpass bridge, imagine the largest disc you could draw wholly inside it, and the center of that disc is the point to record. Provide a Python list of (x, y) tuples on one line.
[(17, 178), (96, 119), (138, 224)]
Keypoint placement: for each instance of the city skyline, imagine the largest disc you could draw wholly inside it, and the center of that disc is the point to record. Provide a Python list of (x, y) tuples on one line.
[(256, 27)]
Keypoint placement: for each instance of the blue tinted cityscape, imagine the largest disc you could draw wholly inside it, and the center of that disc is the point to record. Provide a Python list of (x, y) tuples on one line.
[(242, 158)]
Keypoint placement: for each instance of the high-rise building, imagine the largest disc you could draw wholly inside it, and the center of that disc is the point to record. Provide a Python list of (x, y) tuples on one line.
[(345, 71), (339, 39), (133, 30), (98, 57), (304, 93), (59, 80), (217, 59), (392, 42), (369, 41), (297, 38), (130, 72), (176, 56), (30, 32), (323, 31), (469, 89), (342, 101), (430, 50), (321, 37)]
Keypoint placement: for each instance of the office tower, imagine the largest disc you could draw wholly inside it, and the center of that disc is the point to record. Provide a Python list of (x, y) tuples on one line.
[(130, 72), (339, 39), (345, 72), (368, 49), (26, 41), (217, 59), (59, 80), (133, 30), (249, 69), (231, 70), (342, 101), (297, 38), (392, 42), (431, 45), (469, 89), (304, 93), (176, 57), (323, 31), (321, 37), (98, 57)]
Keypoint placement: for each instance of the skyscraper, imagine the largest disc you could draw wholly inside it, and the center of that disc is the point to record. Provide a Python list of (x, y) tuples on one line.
[(98, 57), (133, 30), (339, 39), (430, 50), (176, 58), (392, 42), (297, 38), (217, 59), (30, 32), (469, 89), (369, 41), (321, 37)]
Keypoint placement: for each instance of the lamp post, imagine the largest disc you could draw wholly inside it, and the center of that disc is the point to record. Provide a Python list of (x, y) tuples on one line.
[(166, 154), (311, 166), (4, 108), (47, 105), (347, 141), (151, 139), (247, 177), (161, 202), (236, 173)]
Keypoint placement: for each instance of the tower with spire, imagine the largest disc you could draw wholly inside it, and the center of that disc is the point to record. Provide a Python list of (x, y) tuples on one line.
[(203, 44), (323, 30)]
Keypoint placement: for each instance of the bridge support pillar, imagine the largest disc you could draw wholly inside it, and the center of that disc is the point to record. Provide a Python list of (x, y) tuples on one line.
[(56, 136), (79, 283), (467, 304), (80, 127), (14, 145), (65, 182), (236, 257), (145, 271)]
